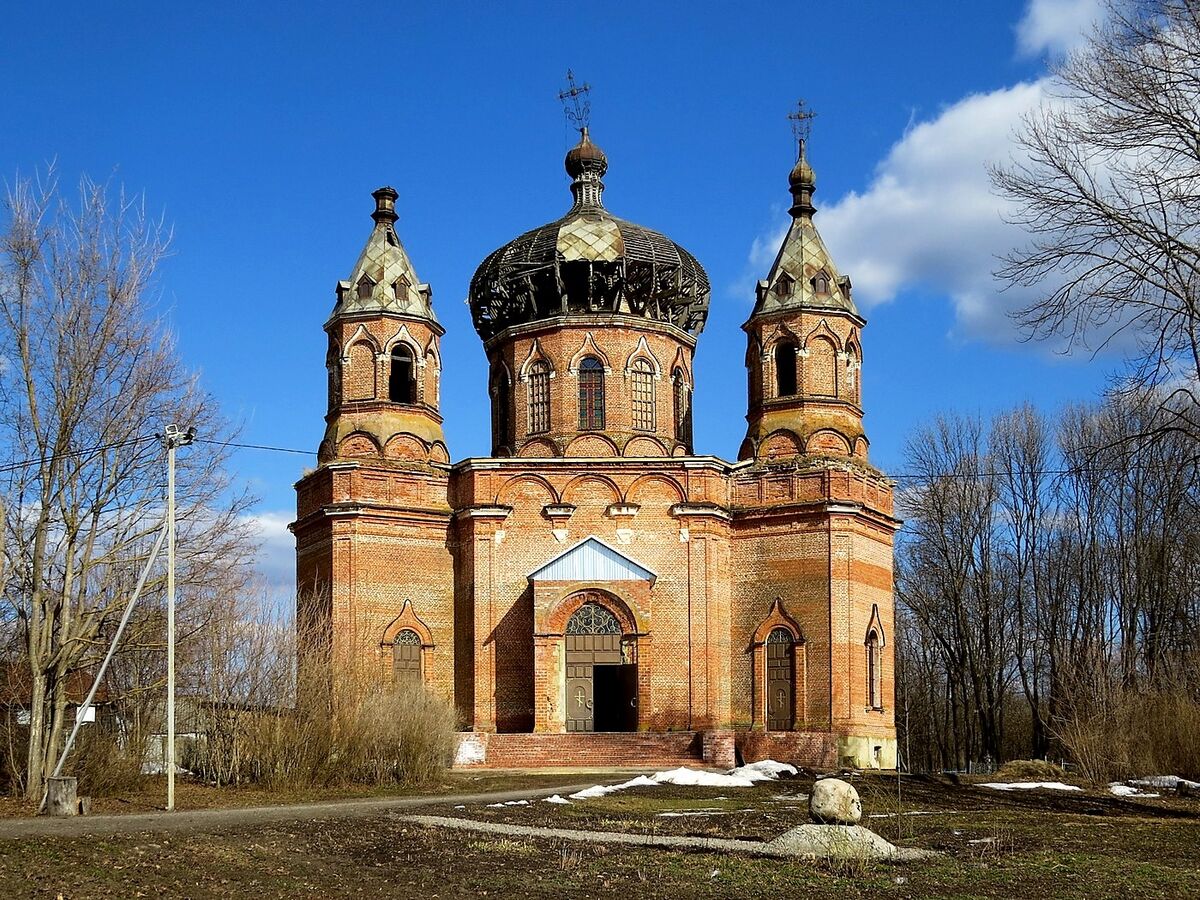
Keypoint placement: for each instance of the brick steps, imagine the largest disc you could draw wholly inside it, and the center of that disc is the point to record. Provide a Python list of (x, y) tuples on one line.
[(595, 750)]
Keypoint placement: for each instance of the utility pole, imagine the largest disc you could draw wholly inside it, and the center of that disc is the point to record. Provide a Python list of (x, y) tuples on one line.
[(173, 438)]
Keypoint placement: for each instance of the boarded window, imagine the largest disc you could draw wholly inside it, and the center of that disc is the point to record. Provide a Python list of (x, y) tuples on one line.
[(402, 381), (820, 368), (874, 672), (643, 395), (785, 369), (539, 397), (360, 374), (406, 658), (591, 394)]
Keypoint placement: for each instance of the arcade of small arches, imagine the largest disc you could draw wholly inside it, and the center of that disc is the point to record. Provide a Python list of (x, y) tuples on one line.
[(412, 375), (819, 366)]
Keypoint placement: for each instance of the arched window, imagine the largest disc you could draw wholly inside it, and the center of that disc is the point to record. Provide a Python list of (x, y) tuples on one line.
[(365, 287), (539, 397), (406, 658), (785, 369), (402, 380), (874, 672), (501, 406), (683, 407), (821, 283), (643, 395), (781, 680), (591, 393), (592, 618), (783, 286)]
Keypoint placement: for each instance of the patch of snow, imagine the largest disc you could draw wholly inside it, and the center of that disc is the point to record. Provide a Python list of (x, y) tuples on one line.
[(1171, 782), (600, 790), (695, 777), (471, 750), (765, 770), (743, 776), (1030, 785), (556, 798), (1118, 789), (982, 841), (460, 806), (495, 806), (158, 768)]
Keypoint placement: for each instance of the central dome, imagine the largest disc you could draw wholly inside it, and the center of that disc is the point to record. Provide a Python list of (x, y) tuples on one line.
[(589, 262)]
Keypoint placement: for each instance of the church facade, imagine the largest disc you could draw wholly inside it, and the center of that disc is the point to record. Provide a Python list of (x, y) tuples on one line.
[(594, 591)]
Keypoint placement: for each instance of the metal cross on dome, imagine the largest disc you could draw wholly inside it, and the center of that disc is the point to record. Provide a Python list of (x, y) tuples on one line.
[(575, 101), (801, 121)]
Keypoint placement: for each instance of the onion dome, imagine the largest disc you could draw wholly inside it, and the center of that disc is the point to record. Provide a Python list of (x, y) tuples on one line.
[(383, 279), (589, 262), (803, 275)]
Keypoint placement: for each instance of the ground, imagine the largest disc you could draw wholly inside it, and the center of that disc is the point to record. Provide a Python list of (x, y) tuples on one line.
[(1032, 845)]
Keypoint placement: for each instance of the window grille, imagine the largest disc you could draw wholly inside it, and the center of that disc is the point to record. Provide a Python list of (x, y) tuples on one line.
[(591, 394), (643, 395), (539, 397)]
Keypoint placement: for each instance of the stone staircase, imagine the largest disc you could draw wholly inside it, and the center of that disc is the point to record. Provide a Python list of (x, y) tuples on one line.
[(600, 750)]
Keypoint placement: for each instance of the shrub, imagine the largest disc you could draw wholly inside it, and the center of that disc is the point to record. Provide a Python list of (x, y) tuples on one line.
[(1030, 770), (1135, 733)]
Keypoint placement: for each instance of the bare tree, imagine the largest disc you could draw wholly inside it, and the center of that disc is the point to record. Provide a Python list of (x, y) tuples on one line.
[(1108, 189), (89, 377)]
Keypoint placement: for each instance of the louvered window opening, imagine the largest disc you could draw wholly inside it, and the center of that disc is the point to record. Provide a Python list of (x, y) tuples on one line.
[(539, 398), (683, 408), (591, 394), (643, 396), (500, 408)]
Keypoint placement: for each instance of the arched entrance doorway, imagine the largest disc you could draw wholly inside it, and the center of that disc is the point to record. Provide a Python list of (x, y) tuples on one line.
[(601, 663)]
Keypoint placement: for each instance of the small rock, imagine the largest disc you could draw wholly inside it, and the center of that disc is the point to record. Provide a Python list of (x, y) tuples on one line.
[(834, 802)]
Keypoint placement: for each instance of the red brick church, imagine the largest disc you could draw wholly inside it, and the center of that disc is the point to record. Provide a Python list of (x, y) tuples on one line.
[(595, 590)]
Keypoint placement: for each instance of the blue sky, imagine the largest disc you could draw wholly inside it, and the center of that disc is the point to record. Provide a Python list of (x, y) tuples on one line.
[(259, 130)]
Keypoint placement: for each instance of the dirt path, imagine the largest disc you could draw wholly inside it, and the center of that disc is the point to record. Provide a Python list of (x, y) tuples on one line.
[(218, 819)]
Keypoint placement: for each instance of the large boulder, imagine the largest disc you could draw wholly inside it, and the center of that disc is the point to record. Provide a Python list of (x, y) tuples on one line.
[(834, 802)]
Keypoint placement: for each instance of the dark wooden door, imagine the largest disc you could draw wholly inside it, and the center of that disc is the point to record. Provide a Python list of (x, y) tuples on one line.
[(780, 681)]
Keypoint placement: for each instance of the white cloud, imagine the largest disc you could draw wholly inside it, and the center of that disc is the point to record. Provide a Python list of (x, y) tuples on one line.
[(277, 550), (1057, 26), (930, 218)]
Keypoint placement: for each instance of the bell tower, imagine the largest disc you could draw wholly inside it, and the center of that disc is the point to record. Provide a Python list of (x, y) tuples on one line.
[(804, 351), (814, 521), (374, 574), (384, 359)]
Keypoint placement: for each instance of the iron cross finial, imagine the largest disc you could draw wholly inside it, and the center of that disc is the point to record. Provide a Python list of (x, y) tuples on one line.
[(801, 121), (575, 101)]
